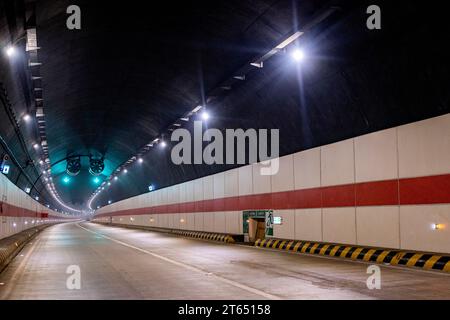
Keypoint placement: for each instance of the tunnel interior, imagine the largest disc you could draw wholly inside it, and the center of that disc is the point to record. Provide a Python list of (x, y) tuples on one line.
[(240, 149)]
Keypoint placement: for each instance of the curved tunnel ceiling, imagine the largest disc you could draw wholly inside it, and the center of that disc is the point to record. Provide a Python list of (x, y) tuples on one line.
[(116, 84)]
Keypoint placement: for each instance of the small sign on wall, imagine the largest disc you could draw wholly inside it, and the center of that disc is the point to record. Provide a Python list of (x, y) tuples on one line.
[(277, 220), (5, 169), (269, 223)]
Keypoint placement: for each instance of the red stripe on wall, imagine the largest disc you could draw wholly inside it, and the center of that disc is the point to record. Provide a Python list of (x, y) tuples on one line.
[(377, 193), (424, 190), (9, 210), (338, 196)]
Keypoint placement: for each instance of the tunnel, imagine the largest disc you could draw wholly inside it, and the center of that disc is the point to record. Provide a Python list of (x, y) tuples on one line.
[(224, 150)]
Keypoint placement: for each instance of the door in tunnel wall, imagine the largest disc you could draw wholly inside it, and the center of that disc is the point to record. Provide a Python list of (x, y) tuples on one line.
[(257, 224)]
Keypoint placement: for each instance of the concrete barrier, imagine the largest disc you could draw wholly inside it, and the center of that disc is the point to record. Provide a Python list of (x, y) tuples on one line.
[(221, 237), (205, 236), (427, 261), (11, 246)]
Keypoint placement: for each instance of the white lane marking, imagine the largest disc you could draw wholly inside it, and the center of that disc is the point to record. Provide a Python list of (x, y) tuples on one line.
[(186, 266)]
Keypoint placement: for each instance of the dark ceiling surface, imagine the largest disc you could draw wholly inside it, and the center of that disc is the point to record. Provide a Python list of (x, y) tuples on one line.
[(132, 70)]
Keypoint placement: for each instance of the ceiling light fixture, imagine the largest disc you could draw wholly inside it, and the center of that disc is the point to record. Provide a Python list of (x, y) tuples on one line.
[(298, 55), (10, 50), (26, 117), (205, 115)]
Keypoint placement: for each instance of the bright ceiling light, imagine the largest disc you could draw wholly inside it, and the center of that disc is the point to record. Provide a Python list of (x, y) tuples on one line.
[(26, 117), (125, 171), (298, 55), (163, 144), (140, 160), (36, 146), (205, 115), (10, 51), (115, 178)]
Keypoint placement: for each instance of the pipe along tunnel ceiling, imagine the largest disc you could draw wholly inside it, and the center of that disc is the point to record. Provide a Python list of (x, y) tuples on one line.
[(132, 71)]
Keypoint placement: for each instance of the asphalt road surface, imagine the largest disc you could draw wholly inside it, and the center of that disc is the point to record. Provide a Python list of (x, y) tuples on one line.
[(119, 263)]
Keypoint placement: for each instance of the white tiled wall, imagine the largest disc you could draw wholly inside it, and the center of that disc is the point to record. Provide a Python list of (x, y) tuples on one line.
[(11, 194), (413, 150)]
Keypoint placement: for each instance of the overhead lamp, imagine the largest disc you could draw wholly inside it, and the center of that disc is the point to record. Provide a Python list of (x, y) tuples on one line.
[(205, 115), (163, 144), (109, 201), (298, 55), (10, 50), (115, 178), (73, 166), (26, 117), (125, 171), (36, 146), (96, 180), (66, 180), (151, 188), (140, 160)]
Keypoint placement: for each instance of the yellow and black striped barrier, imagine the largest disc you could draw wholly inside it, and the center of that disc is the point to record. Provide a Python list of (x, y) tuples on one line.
[(428, 261), (205, 236)]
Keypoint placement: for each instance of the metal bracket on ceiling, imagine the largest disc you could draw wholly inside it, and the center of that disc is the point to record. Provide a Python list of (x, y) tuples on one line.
[(258, 64)]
